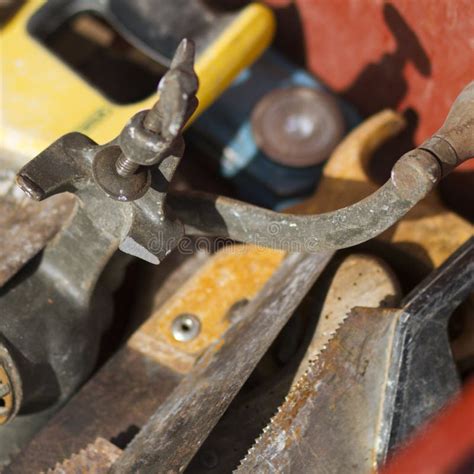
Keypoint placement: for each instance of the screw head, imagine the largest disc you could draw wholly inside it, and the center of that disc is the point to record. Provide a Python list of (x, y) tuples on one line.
[(186, 327)]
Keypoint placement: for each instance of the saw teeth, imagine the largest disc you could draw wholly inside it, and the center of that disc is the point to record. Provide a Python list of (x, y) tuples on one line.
[(96, 457), (293, 391)]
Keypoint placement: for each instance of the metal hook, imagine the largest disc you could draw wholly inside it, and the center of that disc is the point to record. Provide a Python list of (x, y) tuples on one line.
[(412, 178)]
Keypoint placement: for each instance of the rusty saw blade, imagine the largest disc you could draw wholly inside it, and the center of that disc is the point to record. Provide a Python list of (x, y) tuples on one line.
[(348, 281), (95, 458), (179, 427), (384, 372)]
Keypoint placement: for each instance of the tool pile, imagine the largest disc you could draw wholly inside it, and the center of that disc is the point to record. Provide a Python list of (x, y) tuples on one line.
[(317, 339)]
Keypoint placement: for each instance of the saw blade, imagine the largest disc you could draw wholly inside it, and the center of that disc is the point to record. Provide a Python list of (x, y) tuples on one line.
[(381, 375), (179, 427), (348, 281), (95, 458), (329, 421)]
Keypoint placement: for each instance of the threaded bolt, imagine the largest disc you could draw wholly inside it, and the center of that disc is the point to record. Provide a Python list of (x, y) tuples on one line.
[(125, 166)]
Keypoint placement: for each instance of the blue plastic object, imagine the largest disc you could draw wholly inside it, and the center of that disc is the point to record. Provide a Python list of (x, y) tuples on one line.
[(224, 134)]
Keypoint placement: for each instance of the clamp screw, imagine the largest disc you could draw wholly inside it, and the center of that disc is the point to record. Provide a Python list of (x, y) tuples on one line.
[(127, 167), (175, 106)]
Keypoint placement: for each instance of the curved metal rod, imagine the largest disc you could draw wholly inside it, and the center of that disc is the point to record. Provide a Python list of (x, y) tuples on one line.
[(414, 175)]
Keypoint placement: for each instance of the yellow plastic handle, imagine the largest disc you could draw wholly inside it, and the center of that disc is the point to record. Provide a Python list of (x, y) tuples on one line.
[(42, 98)]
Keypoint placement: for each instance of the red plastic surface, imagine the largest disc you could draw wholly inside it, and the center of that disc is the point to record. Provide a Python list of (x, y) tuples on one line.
[(444, 446), (415, 54)]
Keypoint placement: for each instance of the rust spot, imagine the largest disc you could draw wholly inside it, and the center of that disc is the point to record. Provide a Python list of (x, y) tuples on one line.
[(26, 227)]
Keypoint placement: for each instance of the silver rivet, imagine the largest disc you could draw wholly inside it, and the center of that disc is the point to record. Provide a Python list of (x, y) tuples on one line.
[(186, 327)]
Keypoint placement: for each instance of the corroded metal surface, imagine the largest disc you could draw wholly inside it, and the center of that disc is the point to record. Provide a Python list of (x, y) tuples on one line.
[(95, 458), (378, 131), (414, 175), (329, 419), (356, 280), (54, 319), (178, 428), (113, 405), (26, 226), (210, 215), (153, 362), (137, 225), (383, 373)]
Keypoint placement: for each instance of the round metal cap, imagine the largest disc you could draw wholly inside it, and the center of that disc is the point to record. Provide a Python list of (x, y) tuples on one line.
[(297, 126), (114, 185)]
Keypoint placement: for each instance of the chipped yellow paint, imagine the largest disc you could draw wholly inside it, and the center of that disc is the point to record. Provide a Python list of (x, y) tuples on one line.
[(232, 275), (42, 98)]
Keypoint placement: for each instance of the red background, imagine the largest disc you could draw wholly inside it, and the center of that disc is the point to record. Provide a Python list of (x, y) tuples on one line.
[(411, 55)]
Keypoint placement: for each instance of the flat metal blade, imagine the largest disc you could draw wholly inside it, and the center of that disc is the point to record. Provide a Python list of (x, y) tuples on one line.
[(383, 373), (179, 427), (329, 421), (95, 458)]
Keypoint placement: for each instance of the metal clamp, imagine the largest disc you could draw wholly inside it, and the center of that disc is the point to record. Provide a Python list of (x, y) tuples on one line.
[(121, 169)]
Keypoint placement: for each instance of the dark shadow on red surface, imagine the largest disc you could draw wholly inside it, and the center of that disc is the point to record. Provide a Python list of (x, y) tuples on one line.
[(365, 92), (290, 38)]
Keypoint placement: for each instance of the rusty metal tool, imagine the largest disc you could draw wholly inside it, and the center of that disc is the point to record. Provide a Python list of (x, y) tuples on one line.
[(181, 424), (144, 142), (146, 228), (75, 163), (96, 457), (383, 373), (417, 243), (55, 312), (221, 285), (414, 175), (152, 361), (55, 306), (348, 281)]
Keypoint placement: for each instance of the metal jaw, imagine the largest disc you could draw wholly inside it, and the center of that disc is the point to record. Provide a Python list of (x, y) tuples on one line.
[(70, 165)]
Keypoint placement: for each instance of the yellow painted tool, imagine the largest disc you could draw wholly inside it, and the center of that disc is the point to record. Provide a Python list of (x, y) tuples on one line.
[(42, 98)]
